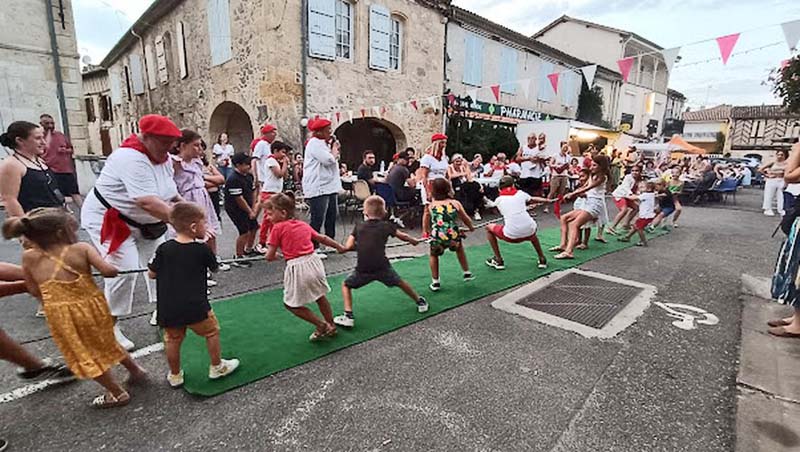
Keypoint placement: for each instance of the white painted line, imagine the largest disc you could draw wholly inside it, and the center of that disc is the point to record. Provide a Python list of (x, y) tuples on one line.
[(33, 388), (625, 318)]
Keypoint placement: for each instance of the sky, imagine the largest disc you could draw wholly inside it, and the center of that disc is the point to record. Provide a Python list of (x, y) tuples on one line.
[(669, 23)]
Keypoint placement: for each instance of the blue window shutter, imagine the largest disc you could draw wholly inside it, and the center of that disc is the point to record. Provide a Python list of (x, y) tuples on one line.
[(322, 29), (219, 31), (380, 28), (545, 88), (508, 70), (473, 60)]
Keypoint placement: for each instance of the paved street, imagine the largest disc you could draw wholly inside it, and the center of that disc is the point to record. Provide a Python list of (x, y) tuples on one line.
[(473, 378)]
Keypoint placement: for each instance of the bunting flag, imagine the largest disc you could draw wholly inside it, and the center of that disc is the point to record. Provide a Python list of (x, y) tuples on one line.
[(377, 111), (726, 45), (625, 66), (383, 111), (414, 104), (525, 85), (350, 116), (338, 117), (496, 91), (791, 30), (469, 122), (670, 56), (451, 99), (554, 81), (473, 94), (399, 107), (588, 74), (433, 101), (363, 113)]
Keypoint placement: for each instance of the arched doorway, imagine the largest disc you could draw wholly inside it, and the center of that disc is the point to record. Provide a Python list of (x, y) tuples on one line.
[(378, 135), (231, 118)]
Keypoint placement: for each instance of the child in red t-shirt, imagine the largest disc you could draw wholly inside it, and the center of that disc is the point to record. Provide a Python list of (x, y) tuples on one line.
[(304, 279)]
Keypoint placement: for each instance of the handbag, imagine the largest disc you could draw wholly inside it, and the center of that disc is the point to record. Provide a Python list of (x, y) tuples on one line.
[(150, 231)]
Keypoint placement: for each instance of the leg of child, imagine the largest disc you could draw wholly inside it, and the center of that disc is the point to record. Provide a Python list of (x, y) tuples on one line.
[(409, 290), (347, 297), (657, 220), (134, 369), (172, 348), (214, 350), (251, 240), (600, 234), (618, 219), (678, 210), (107, 381), (538, 247), (628, 235), (434, 263), (325, 310), (307, 315), (632, 215), (241, 241), (642, 237), (493, 243), (585, 239), (462, 258), (13, 352)]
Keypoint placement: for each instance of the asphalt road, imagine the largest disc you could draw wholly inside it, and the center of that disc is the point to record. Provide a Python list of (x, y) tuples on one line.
[(473, 378)]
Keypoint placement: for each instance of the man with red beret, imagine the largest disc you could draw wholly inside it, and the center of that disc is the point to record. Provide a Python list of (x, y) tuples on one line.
[(127, 211), (321, 181)]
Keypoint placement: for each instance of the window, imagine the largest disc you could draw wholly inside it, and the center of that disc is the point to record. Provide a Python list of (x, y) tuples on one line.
[(322, 29), (395, 44), (570, 88), (114, 82), (150, 66), (183, 67), (508, 70), (106, 111), (219, 31), (344, 29), (128, 82), (546, 92), (163, 58), (90, 116), (380, 32), (473, 60)]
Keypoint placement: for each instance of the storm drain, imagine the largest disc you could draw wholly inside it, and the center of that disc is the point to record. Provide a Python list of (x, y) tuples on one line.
[(588, 303)]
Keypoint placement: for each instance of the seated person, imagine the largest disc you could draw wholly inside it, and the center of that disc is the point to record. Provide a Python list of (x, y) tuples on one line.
[(401, 180), (365, 171)]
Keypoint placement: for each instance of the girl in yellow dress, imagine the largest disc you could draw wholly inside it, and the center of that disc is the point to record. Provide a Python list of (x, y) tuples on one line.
[(58, 271)]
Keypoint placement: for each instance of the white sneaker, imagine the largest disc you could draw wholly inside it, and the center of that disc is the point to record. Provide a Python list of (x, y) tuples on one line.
[(769, 213), (176, 381), (222, 266), (225, 368), (123, 341), (345, 321), (261, 249), (477, 216), (154, 318), (489, 203)]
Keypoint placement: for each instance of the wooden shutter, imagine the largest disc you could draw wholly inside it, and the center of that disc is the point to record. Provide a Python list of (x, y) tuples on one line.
[(161, 58), (380, 29), (322, 29), (473, 60), (116, 90), (182, 64), (508, 70), (137, 80), (152, 68), (219, 31)]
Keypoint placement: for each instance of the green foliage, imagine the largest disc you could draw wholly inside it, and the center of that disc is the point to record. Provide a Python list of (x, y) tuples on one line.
[(786, 84), (719, 145), (483, 138), (590, 106)]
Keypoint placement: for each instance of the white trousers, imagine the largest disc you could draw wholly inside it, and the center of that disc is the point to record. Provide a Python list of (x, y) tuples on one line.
[(773, 191)]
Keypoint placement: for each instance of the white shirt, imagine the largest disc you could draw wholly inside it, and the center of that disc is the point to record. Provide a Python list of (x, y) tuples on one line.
[(437, 169), (560, 160), (271, 183), (647, 205), (531, 169), (223, 154), (262, 150), (514, 169), (127, 175), (625, 187), (518, 223), (320, 170)]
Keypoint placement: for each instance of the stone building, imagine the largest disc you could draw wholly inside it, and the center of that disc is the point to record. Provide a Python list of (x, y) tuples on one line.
[(759, 131), (231, 65), (104, 135), (39, 67), (702, 128)]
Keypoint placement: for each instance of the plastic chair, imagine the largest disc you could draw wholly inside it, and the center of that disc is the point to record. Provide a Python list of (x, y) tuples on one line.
[(726, 187), (361, 192), (394, 206)]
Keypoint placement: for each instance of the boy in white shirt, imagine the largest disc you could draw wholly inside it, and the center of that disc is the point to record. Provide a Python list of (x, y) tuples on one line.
[(275, 168), (519, 226), (647, 212)]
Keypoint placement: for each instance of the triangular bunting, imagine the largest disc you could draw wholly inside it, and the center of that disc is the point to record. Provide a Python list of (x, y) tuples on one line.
[(625, 66), (350, 116), (383, 111), (496, 92), (554, 81), (338, 117), (433, 101), (377, 111), (469, 122), (451, 99), (589, 73), (726, 45), (363, 112), (525, 85), (473, 95), (670, 56), (414, 104), (791, 30)]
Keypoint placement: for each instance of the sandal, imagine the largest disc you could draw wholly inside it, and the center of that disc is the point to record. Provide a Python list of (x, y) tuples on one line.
[(563, 256), (582, 247), (778, 322), (601, 240), (556, 249), (108, 400), (781, 332), (612, 231)]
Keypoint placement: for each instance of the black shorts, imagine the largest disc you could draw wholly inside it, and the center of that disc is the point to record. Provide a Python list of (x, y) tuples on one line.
[(531, 185), (438, 248), (242, 221), (67, 183), (388, 277)]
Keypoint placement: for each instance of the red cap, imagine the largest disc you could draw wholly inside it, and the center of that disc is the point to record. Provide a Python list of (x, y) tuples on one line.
[(268, 128), (159, 125), (318, 124), (438, 137)]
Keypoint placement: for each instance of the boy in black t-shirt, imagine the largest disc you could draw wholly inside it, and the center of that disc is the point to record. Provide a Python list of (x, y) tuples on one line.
[(369, 239), (179, 268), (241, 206)]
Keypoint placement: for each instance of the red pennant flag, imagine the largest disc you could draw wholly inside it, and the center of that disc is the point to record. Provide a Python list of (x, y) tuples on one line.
[(383, 111), (726, 45), (496, 91), (414, 104), (363, 112), (554, 81), (451, 98), (338, 116), (784, 64), (625, 66)]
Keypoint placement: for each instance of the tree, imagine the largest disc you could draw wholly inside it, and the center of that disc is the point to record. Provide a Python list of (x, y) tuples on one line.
[(719, 145), (481, 137), (590, 106), (786, 84)]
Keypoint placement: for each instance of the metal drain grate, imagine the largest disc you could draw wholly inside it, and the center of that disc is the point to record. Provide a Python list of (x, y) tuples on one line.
[(582, 299)]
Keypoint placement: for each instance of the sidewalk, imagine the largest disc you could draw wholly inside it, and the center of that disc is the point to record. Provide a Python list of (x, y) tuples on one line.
[(768, 401)]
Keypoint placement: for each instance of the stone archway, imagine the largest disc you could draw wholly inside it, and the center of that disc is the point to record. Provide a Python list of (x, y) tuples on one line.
[(378, 135), (231, 118)]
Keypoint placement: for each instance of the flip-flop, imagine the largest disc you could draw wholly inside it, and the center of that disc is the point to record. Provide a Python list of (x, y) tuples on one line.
[(781, 332), (582, 247), (612, 231), (601, 240), (778, 322), (556, 249), (563, 256)]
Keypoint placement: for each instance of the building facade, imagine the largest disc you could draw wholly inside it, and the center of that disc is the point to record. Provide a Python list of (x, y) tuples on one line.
[(231, 65), (707, 128), (103, 134), (760, 131), (39, 67), (635, 106)]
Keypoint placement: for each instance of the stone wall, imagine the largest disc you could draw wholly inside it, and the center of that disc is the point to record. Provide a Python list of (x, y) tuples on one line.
[(28, 85)]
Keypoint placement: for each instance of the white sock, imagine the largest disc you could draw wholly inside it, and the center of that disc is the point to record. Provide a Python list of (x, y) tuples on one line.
[(435, 280)]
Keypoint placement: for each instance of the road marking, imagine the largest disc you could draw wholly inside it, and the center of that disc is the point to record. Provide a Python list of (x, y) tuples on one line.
[(33, 388), (688, 320)]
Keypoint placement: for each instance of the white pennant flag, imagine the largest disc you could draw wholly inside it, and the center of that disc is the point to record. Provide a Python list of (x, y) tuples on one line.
[(525, 85), (377, 111), (469, 122), (473, 94), (588, 74), (350, 116), (791, 30), (670, 56), (399, 107), (432, 101)]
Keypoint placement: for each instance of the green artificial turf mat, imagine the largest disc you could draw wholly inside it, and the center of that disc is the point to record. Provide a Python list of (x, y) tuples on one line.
[(267, 338)]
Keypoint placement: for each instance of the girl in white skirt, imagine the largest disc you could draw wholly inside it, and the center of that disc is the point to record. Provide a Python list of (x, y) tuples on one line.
[(601, 221), (304, 281)]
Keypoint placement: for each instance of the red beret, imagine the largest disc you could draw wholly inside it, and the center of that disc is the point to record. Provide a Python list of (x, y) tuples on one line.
[(268, 128), (438, 137), (318, 124), (159, 125)]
